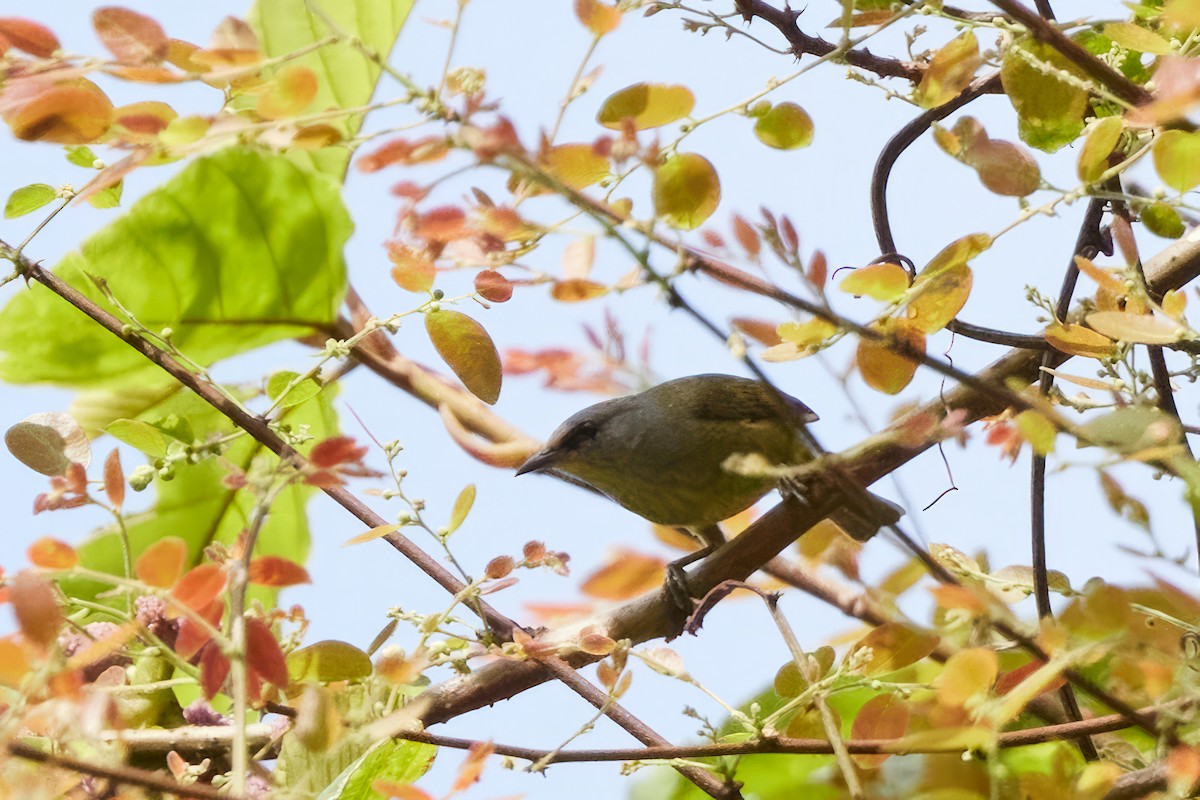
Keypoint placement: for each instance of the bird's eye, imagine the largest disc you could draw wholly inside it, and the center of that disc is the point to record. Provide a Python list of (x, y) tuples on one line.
[(584, 432)]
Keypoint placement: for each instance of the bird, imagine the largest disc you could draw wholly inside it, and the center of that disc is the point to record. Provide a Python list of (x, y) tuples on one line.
[(662, 454)]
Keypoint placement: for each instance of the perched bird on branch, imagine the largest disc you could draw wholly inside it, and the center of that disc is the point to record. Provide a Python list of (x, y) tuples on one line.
[(665, 454)]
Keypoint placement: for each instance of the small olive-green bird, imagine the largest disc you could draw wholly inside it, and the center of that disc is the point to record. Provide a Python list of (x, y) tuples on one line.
[(661, 453)]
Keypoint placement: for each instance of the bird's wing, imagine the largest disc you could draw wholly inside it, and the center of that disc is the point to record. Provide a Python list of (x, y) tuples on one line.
[(751, 403)]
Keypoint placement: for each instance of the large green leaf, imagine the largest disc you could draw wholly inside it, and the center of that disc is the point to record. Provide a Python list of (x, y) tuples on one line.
[(1049, 102), (198, 507), (345, 75), (239, 250)]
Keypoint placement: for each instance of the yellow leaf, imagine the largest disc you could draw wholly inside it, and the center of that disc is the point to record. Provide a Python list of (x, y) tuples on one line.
[(1077, 340), (686, 190), (939, 300), (649, 105), (949, 72), (886, 282), (1093, 156), (576, 165)]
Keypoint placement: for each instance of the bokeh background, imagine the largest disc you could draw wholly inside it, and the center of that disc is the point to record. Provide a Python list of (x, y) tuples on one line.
[(529, 51)]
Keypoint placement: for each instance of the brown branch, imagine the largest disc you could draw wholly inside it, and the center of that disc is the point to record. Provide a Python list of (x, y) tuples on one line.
[(127, 776), (784, 20), (257, 428), (646, 618), (781, 744), (1102, 73)]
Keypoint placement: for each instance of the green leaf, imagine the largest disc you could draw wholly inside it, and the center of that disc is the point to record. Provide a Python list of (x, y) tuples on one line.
[(28, 199), (1050, 111), (81, 157), (346, 78), (786, 126), (139, 435), (468, 350), (649, 105), (1177, 159), (109, 197), (1136, 38), (300, 393), (390, 760), (1162, 220), (686, 190), (198, 506), (239, 250), (462, 507), (1093, 156), (1134, 428), (328, 661)]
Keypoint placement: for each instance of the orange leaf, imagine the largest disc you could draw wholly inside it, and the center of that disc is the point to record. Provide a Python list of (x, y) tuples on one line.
[(968, 674), (198, 588), (400, 791), (277, 571), (288, 93), (162, 563), (468, 350), (576, 290), (626, 575), (883, 368), (114, 479), (72, 111), (472, 767), (14, 662), (51, 553), (884, 716), (36, 605), (597, 17), (893, 646)]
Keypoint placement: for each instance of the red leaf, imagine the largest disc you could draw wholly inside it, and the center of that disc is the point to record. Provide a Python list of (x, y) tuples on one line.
[(277, 571), (492, 286), (263, 654), (335, 451), (214, 669), (132, 37), (32, 37), (192, 636), (162, 563), (199, 587), (114, 479)]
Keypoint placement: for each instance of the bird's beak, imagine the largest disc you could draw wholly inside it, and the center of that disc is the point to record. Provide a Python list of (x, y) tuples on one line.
[(542, 459)]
